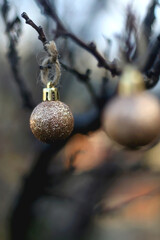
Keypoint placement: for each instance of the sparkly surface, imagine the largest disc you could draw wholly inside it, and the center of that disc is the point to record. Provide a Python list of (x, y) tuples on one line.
[(51, 121)]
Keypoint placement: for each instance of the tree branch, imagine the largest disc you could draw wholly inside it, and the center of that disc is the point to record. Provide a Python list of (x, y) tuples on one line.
[(91, 47), (149, 19), (50, 11), (15, 26), (39, 29)]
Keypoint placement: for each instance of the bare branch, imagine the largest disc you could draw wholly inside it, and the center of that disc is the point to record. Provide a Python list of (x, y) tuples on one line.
[(14, 26), (149, 19), (91, 47), (50, 11), (83, 77), (39, 29)]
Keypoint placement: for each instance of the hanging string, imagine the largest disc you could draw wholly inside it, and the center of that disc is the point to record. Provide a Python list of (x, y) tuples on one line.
[(50, 61)]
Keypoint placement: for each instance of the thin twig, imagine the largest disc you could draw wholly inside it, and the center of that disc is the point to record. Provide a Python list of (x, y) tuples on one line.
[(83, 77), (39, 29), (91, 47)]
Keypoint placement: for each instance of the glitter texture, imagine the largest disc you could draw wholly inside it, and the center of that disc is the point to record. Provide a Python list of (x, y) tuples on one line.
[(51, 121)]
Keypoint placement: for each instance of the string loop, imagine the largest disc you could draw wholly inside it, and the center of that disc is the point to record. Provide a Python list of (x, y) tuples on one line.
[(50, 61)]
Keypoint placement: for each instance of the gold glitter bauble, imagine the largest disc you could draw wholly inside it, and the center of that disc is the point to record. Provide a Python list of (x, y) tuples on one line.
[(51, 121), (133, 121)]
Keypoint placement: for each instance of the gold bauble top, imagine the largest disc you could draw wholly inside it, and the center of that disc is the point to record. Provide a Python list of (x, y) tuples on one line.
[(50, 93), (131, 82)]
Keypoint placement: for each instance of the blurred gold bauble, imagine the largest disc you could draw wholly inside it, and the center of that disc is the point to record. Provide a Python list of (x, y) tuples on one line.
[(132, 119), (51, 121)]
